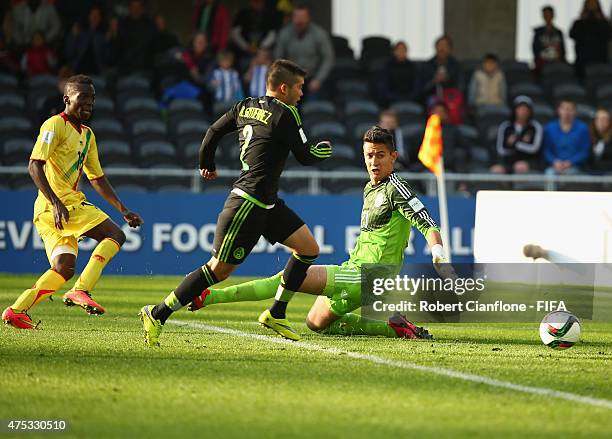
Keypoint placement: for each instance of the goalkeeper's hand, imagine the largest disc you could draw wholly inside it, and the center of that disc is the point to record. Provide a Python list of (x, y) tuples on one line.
[(440, 263)]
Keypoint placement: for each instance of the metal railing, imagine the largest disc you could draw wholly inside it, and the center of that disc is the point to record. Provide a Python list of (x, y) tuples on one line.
[(316, 177)]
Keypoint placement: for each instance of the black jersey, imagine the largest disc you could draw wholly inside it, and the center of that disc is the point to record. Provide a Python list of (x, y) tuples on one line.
[(267, 130)]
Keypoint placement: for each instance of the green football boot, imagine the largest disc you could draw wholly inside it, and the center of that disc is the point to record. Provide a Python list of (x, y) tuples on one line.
[(152, 326), (280, 326)]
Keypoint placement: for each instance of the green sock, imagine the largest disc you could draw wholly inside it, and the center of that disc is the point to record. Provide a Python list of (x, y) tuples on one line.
[(260, 289), (354, 324)]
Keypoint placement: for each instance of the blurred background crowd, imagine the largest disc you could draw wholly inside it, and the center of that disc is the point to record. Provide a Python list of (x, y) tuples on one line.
[(156, 95)]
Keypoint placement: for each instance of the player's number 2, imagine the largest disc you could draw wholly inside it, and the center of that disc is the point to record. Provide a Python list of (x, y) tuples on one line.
[(247, 133)]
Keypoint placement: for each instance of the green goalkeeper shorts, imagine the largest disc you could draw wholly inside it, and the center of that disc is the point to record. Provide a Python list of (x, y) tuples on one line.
[(343, 288)]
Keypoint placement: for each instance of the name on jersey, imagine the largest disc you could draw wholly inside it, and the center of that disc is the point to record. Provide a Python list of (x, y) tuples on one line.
[(255, 113)]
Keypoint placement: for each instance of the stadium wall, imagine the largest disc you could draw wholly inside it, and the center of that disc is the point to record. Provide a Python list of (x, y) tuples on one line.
[(179, 230)]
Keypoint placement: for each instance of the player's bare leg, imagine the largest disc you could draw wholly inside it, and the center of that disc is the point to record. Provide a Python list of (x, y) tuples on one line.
[(110, 239), (61, 271)]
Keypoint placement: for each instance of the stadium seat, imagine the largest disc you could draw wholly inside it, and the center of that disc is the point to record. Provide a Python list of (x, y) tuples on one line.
[(354, 107), (16, 151), (12, 100), (571, 91), (132, 82), (115, 150), (47, 81), (8, 80), (413, 130), (148, 126), (323, 130), (38, 96), (100, 84), (358, 128), (220, 108), (107, 125), (525, 88), (186, 104), (543, 113), (516, 72), (347, 91), (190, 153), (469, 133), (346, 69), (341, 47), (318, 107), (585, 112), (490, 115), (408, 112), (157, 153), (15, 123), (133, 116), (104, 103), (558, 72), (198, 126), (374, 47), (604, 92), (140, 103)]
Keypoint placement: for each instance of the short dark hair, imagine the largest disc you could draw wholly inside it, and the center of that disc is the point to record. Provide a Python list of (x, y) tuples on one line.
[(283, 71), (379, 135), (490, 57), (446, 37), (566, 101), (303, 6), (76, 80), (548, 8)]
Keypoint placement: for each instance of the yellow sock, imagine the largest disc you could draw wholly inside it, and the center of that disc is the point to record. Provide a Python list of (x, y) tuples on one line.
[(46, 285), (103, 253)]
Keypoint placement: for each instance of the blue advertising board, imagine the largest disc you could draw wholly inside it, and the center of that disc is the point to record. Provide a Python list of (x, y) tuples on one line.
[(179, 230)]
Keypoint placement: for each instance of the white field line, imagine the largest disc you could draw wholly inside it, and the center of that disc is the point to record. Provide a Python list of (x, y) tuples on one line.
[(597, 402)]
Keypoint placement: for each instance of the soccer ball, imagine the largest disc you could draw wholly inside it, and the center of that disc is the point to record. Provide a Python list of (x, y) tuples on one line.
[(560, 330)]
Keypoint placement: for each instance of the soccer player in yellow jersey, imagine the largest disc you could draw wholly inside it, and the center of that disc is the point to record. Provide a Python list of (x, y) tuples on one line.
[(64, 149)]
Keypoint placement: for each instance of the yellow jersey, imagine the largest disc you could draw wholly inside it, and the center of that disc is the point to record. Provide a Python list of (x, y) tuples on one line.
[(67, 150)]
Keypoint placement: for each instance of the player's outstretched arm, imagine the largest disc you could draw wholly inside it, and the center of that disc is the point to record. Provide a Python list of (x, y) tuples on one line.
[(222, 126), (36, 168), (104, 188), (293, 133)]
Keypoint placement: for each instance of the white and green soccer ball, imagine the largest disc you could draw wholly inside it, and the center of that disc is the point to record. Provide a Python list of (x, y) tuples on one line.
[(560, 330)]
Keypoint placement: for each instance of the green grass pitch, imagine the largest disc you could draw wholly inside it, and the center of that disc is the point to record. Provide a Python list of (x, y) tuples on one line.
[(96, 373)]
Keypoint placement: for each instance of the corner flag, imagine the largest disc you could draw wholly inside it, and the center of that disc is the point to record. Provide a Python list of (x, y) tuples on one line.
[(430, 153)]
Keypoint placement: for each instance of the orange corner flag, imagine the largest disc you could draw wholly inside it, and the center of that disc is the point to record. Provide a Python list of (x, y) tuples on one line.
[(430, 152)]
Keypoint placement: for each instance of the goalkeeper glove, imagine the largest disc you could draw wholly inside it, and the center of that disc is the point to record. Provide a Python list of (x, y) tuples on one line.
[(440, 263)]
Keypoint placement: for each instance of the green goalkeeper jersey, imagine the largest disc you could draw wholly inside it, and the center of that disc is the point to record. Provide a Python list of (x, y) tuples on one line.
[(390, 209)]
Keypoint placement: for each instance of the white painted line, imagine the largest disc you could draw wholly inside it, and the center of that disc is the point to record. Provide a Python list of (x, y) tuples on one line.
[(597, 402)]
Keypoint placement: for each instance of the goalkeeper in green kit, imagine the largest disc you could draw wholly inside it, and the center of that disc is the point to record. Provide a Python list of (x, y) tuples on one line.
[(390, 208)]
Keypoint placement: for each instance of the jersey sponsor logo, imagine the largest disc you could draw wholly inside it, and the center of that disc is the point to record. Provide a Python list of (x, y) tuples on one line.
[(47, 137), (259, 114), (302, 135), (378, 201), (416, 204)]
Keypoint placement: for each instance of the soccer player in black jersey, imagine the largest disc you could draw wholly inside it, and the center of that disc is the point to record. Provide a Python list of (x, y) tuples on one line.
[(268, 128)]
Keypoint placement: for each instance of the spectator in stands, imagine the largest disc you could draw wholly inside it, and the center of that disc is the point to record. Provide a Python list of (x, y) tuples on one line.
[(212, 18), (255, 77), (567, 143), (591, 32), (254, 28), (518, 140), (38, 59), (601, 141), (87, 50), (224, 80), (400, 76), (31, 16), (308, 45), (132, 39), (164, 39), (388, 120), (442, 71), (456, 149), (199, 58), (548, 46), (55, 104), (488, 83)]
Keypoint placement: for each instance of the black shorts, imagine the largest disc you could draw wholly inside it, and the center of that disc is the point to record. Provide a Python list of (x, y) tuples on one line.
[(242, 222)]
